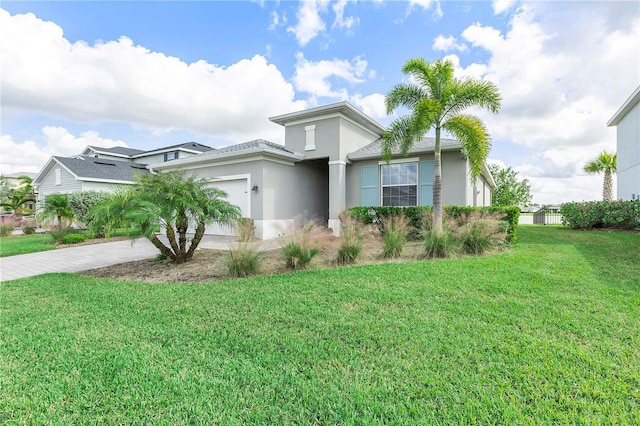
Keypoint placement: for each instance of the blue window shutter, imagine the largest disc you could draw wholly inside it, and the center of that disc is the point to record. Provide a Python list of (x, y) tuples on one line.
[(369, 194), (426, 183)]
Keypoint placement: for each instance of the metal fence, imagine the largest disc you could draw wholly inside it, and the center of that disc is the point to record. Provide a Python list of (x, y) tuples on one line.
[(547, 215)]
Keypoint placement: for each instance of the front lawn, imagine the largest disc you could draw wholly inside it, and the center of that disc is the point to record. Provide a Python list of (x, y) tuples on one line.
[(23, 244), (546, 333)]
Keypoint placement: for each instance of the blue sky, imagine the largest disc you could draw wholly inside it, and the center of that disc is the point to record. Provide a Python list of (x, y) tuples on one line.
[(148, 74)]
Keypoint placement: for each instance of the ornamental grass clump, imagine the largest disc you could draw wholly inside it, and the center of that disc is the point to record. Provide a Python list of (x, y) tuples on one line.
[(303, 246), (481, 235), (394, 235), (243, 260), (352, 239)]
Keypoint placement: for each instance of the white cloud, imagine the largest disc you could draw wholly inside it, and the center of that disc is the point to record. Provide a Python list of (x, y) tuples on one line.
[(310, 23), (31, 156), (341, 21), (500, 6), (372, 105), (426, 4), (562, 73), (316, 78), (276, 20), (123, 82), (442, 43)]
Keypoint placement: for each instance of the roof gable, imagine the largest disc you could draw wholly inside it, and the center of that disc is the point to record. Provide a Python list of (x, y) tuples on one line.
[(374, 149), (99, 169), (627, 106)]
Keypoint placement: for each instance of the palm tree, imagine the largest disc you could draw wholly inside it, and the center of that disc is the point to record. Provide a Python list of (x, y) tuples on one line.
[(56, 206), (169, 201), (16, 198), (437, 100), (605, 163)]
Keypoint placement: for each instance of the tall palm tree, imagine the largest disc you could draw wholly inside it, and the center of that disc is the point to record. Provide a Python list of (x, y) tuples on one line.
[(605, 163), (437, 100), (169, 201)]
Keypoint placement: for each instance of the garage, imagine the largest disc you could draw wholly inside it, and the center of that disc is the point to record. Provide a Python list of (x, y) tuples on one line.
[(238, 193)]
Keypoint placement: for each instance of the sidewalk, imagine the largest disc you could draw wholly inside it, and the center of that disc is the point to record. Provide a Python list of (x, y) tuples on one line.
[(82, 258)]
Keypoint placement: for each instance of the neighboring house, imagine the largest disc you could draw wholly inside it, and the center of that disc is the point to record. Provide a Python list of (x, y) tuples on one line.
[(102, 169), (331, 161), (627, 121), (12, 180)]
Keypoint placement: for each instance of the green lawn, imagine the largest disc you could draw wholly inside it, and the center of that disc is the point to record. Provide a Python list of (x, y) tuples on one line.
[(23, 244), (547, 333)]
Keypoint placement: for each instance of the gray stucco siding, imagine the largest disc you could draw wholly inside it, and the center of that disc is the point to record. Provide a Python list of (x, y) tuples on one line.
[(353, 137), (628, 151), (327, 137)]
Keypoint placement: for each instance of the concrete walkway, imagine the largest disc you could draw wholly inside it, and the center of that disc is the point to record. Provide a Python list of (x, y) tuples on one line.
[(82, 258)]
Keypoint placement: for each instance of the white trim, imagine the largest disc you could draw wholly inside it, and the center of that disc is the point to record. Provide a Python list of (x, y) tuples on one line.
[(274, 228), (124, 182), (215, 162), (57, 176), (310, 137), (399, 161), (329, 116), (626, 107), (337, 162)]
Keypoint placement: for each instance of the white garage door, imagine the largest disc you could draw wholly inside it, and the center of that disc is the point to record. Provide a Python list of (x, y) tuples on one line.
[(238, 194)]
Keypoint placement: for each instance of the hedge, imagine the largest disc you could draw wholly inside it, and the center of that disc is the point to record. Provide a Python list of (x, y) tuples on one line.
[(601, 214), (416, 215)]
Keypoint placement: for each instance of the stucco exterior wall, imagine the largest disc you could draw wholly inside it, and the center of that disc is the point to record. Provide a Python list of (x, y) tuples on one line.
[(455, 179), (327, 134), (628, 150)]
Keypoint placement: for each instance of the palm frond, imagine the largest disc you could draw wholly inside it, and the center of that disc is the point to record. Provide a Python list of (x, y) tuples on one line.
[(406, 95), (475, 140)]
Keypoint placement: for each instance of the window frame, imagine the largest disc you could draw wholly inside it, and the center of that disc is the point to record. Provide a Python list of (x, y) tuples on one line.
[(416, 185), (166, 156)]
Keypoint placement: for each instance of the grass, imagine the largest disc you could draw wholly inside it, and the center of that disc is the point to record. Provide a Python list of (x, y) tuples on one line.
[(23, 244), (546, 333)]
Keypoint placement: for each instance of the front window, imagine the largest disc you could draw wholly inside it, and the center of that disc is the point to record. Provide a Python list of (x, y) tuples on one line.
[(168, 156), (400, 184)]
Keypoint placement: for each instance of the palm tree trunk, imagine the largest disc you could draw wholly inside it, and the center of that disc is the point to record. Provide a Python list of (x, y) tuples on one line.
[(607, 188), (196, 240), (171, 236), (437, 185), (163, 249)]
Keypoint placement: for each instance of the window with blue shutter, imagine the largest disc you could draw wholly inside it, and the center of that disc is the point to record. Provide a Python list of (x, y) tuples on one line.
[(426, 183), (369, 195)]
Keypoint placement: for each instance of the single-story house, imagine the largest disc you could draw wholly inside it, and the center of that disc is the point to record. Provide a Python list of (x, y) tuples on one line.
[(102, 169), (627, 122), (330, 161)]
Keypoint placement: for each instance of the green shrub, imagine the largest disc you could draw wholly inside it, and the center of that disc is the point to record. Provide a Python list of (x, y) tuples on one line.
[(82, 202), (74, 238), (243, 260), (440, 245), (352, 238), (160, 257), (29, 230), (59, 232), (601, 214), (394, 237)]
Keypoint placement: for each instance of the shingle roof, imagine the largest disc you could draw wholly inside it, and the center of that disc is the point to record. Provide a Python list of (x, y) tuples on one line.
[(120, 150), (257, 143), (91, 168), (374, 149), (192, 146)]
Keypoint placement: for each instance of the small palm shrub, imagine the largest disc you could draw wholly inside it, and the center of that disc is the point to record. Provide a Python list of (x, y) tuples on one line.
[(160, 257), (352, 239), (243, 260), (394, 237), (303, 246), (74, 238)]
